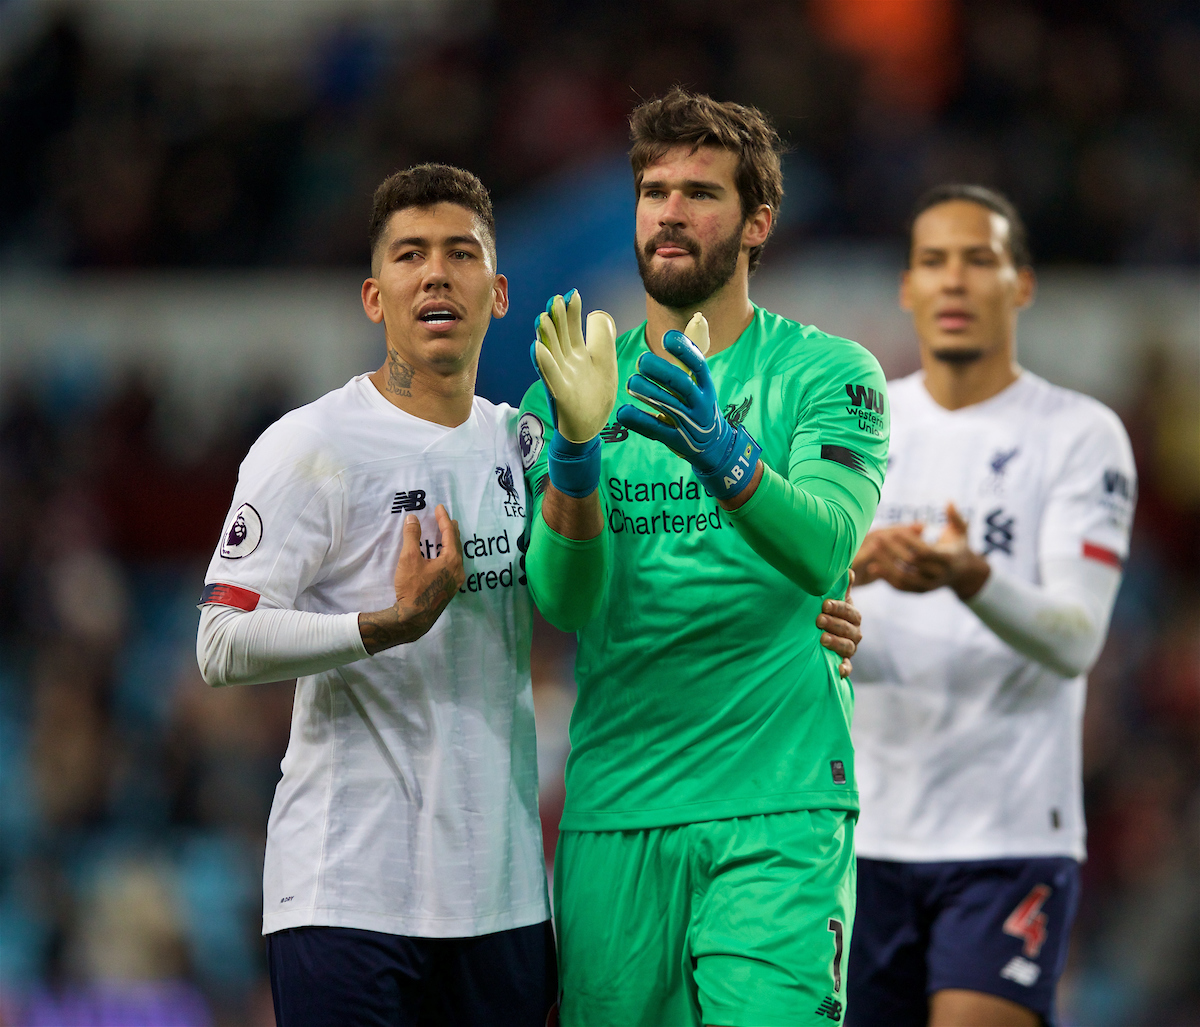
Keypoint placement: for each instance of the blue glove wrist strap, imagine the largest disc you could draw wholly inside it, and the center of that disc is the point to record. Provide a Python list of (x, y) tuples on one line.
[(734, 471), (574, 466)]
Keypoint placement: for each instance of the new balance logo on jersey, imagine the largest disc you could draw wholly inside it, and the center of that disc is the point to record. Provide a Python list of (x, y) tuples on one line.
[(615, 432), (512, 505), (409, 501), (736, 412), (998, 538), (831, 1008)]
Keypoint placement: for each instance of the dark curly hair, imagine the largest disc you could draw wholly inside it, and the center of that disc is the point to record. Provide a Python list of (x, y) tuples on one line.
[(423, 185), (699, 120), (996, 202)]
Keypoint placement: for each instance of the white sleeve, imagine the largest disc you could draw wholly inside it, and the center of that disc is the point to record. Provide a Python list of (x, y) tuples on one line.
[(1060, 623), (1089, 508), (239, 647), (1083, 540), (283, 531)]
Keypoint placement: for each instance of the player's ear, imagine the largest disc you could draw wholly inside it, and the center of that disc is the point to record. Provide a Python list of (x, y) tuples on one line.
[(758, 226), (499, 296), (905, 293), (370, 300), (1026, 287)]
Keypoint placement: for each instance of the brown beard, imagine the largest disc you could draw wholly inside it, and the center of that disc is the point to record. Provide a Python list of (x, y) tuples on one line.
[(957, 356), (687, 290)]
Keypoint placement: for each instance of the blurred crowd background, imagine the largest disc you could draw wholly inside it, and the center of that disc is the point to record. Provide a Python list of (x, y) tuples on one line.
[(161, 149)]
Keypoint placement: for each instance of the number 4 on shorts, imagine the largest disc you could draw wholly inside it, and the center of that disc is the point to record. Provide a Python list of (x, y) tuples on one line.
[(1028, 922)]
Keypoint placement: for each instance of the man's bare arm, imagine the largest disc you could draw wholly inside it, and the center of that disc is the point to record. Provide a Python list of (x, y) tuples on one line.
[(578, 519)]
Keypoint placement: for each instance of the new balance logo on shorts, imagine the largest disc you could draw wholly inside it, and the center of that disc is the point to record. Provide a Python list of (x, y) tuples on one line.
[(414, 500), (830, 1007), (1022, 971)]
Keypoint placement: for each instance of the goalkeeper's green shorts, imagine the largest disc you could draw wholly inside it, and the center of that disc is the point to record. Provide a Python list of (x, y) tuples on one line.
[(743, 922)]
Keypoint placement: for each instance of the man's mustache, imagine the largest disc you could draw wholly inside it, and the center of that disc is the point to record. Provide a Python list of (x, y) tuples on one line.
[(669, 237)]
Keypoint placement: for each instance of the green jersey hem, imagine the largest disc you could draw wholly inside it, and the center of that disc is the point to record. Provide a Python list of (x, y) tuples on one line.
[(698, 812)]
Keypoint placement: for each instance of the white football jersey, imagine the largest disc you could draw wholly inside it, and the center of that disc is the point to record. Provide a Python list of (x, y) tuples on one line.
[(964, 748), (408, 802)]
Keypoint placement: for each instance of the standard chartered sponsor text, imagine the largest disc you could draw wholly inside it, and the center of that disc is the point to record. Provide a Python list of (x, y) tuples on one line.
[(663, 520)]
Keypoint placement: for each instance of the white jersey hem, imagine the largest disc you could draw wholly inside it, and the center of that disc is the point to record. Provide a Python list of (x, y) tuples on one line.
[(1010, 848), (412, 927)]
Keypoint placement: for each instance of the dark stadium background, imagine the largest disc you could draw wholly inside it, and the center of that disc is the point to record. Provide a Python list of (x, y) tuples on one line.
[(184, 189)]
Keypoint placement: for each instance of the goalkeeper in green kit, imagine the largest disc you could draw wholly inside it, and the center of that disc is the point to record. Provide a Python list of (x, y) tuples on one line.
[(702, 484)]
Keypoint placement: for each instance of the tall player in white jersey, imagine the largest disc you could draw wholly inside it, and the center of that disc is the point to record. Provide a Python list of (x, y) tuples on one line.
[(990, 577), (404, 879)]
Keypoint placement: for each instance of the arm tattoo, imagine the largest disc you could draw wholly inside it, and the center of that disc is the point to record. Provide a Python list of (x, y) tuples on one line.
[(400, 375), (383, 629), (430, 597), (374, 629)]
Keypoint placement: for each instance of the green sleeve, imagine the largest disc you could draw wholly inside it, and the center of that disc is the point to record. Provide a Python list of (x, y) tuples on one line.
[(809, 524), (810, 528), (566, 578)]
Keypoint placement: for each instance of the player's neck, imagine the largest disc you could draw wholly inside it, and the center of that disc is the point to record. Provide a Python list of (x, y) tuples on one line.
[(955, 385), (728, 312), (441, 398)]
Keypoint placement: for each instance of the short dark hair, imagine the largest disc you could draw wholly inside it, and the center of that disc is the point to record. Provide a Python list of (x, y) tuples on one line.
[(996, 202), (681, 117), (423, 185)]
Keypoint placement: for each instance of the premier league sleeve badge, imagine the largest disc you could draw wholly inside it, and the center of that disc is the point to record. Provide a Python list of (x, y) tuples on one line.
[(244, 533)]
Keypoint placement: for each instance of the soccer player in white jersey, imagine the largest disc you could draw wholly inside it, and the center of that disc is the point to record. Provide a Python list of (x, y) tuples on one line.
[(404, 880), (990, 574)]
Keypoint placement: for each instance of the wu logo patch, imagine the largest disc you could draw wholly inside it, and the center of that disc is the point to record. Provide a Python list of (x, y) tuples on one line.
[(736, 412), (864, 398), (998, 538), (408, 501), (512, 505), (867, 406), (1118, 484)]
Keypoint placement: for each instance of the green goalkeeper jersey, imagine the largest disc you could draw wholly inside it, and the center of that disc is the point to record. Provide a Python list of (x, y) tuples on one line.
[(704, 692)]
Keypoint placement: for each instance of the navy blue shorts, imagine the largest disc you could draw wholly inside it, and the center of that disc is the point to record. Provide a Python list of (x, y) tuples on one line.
[(341, 976), (999, 926)]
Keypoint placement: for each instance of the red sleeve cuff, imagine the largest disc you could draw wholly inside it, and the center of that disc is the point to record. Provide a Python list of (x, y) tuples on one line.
[(1091, 551), (229, 595)]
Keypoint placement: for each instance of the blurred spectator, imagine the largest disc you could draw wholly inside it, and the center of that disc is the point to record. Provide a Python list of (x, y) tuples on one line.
[(1087, 115), (133, 799)]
